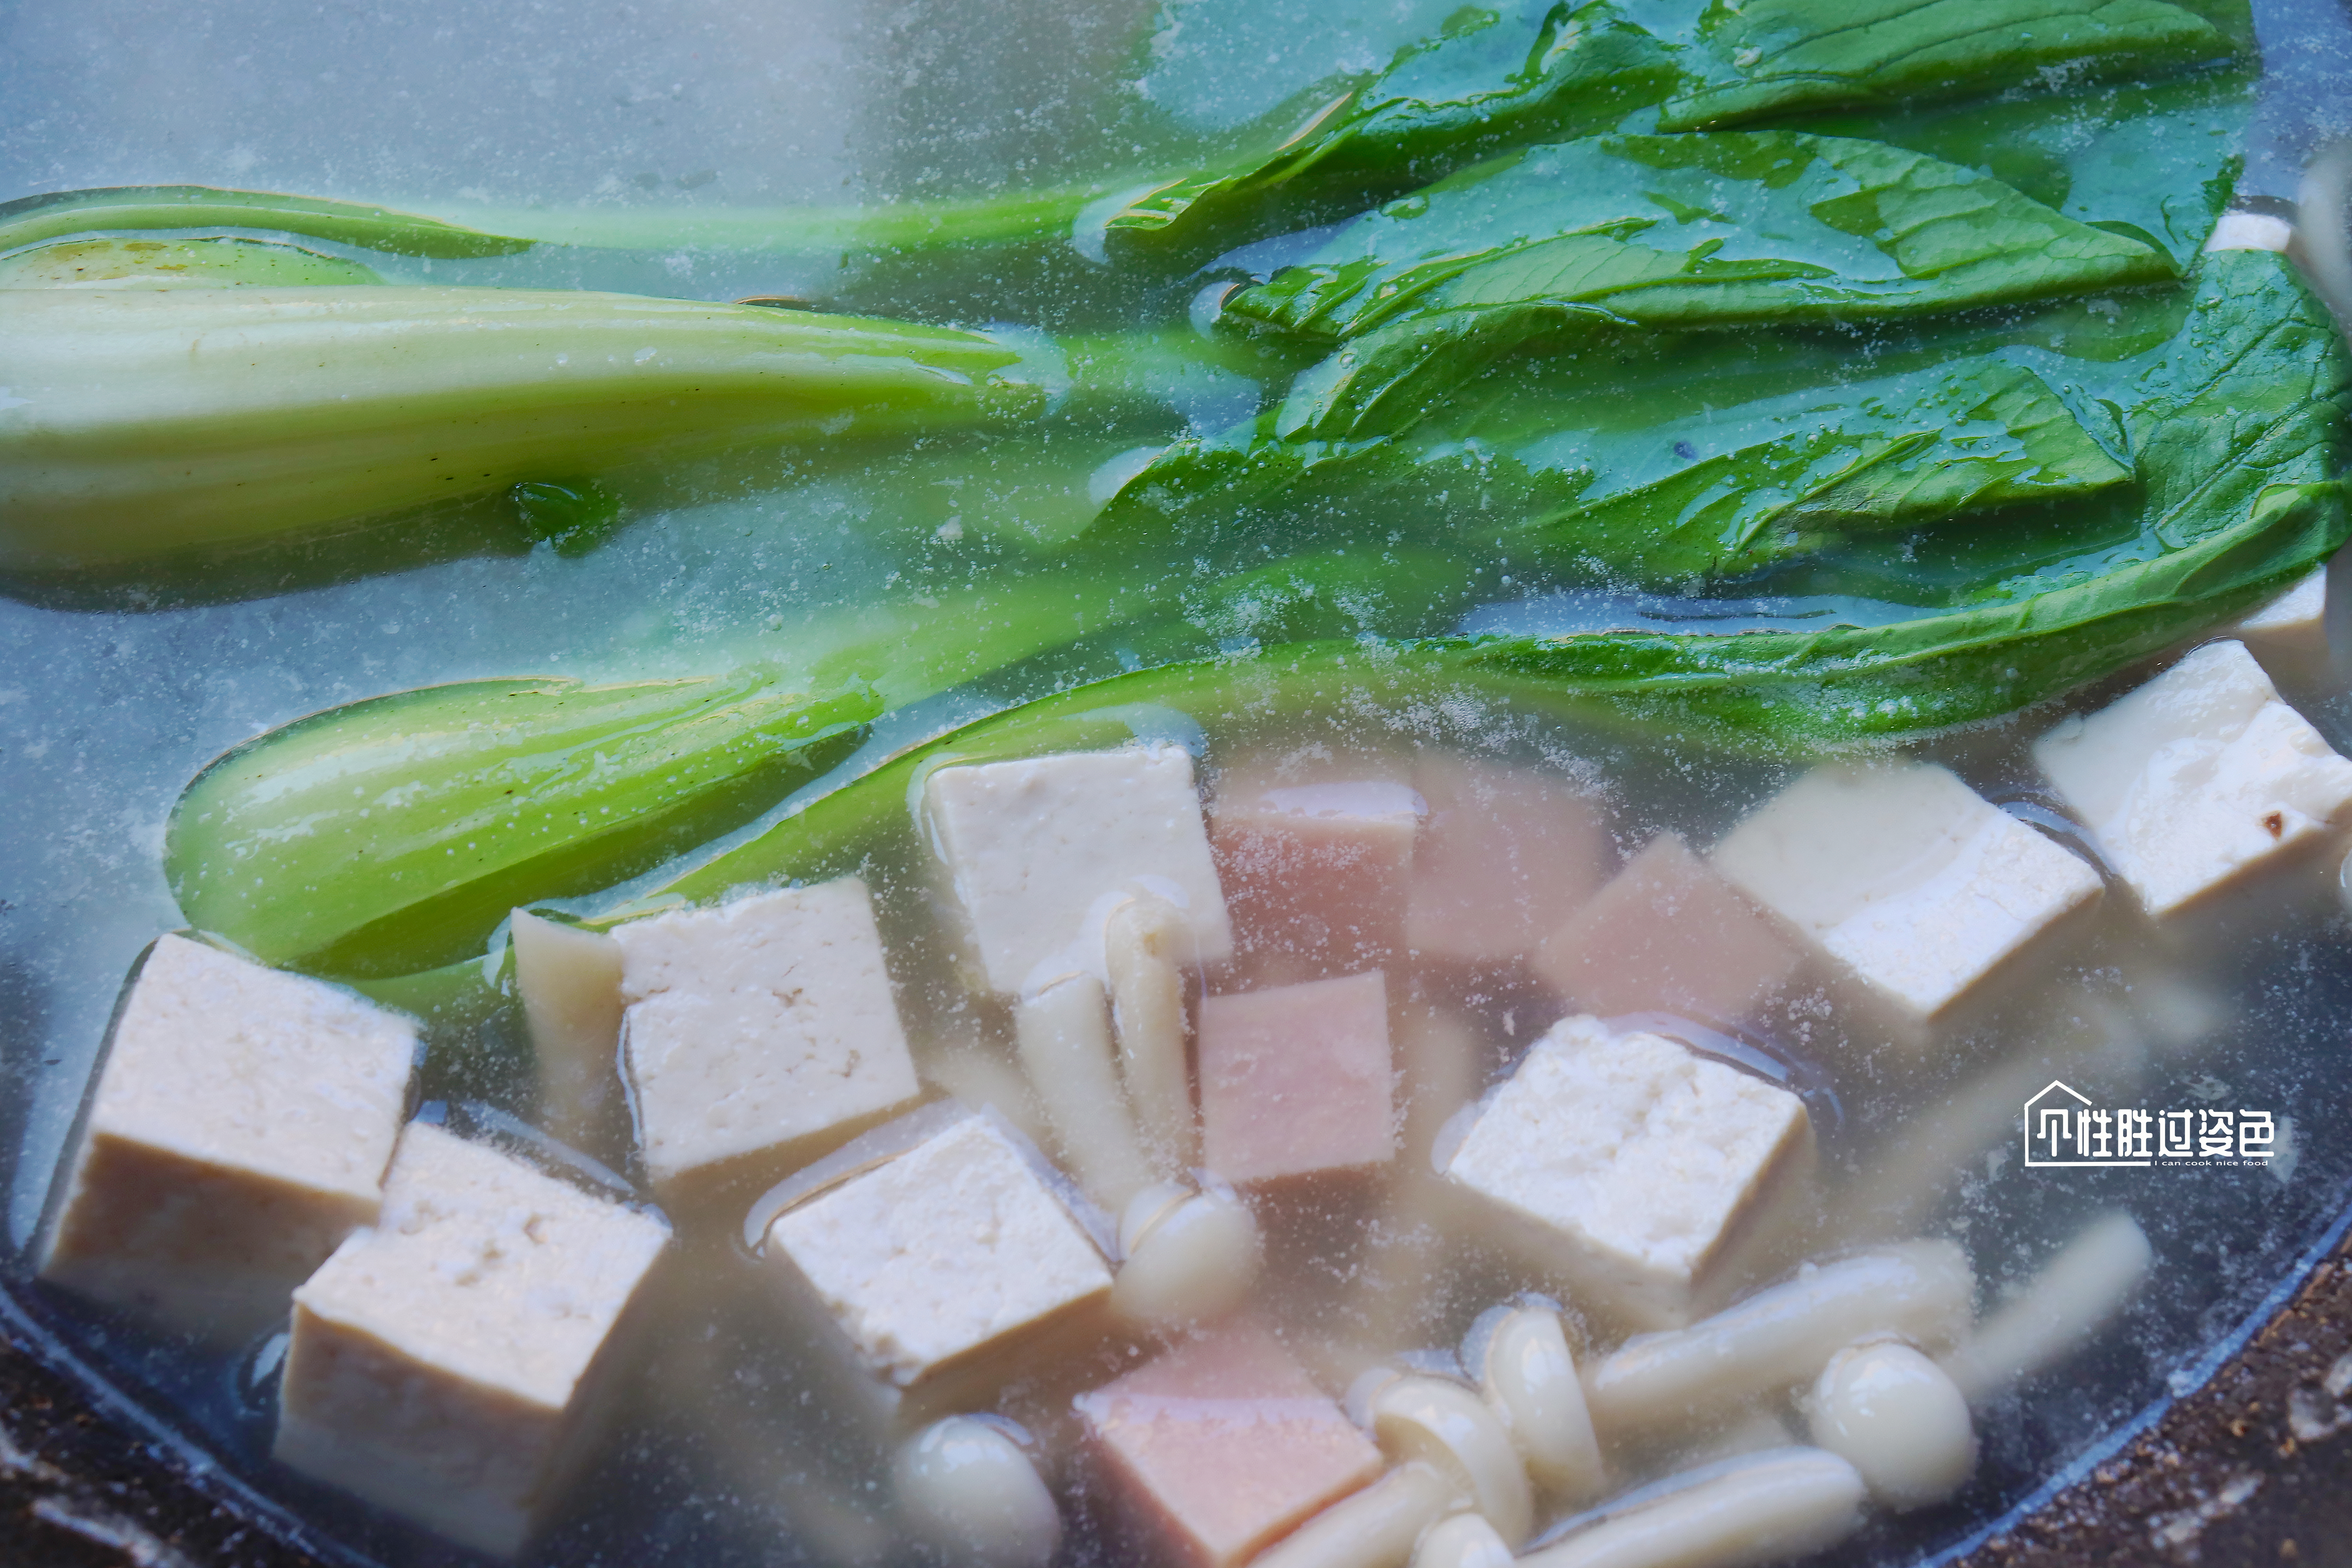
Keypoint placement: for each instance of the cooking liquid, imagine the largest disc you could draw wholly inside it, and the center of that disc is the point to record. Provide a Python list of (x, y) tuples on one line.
[(115, 693)]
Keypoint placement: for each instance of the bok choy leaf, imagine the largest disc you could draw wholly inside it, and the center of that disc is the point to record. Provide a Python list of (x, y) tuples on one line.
[(2236, 428), (1568, 470), (1688, 503), (1528, 72), (1716, 230), (1760, 57), (1492, 80), (211, 263), (2061, 492), (2156, 163)]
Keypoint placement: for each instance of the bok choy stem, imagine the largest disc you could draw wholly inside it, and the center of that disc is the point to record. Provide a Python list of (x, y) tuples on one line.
[(139, 422), (1016, 217)]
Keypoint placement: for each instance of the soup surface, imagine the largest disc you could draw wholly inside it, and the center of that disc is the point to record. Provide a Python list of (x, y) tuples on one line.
[(659, 150)]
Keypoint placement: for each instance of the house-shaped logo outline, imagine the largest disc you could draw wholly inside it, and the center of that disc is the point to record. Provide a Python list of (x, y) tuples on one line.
[(2037, 1098)]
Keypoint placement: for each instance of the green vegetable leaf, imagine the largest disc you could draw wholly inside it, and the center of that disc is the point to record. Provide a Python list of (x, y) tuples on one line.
[(1495, 79), (570, 517), (58, 213), (1334, 593), (2157, 163), (2237, 429), (1782, 56), (1600, 477), (1761, 483), (175, 264), (394, 834), (1711, 230), (1492, 82)]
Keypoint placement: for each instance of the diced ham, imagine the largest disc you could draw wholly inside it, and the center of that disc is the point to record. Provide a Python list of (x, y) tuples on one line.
[(1220, 1445), (1505, 857), (1316, 874), (1668, 934), (1296, 1079)]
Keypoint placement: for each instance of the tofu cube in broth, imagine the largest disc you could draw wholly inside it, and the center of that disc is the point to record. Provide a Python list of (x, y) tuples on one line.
[(1036, 850), (458, 1362), (1915, 887), (1631, 1169), (757, 1034), (946, 1271), (2199, 780), (240, 1130), (2289, 635)]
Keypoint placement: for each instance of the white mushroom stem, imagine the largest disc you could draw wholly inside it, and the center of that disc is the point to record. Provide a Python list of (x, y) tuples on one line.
[(1686, 1379), (569, 982), (1441, 1063), (1754, 1432), (1465, 1540), (1064, 1037), (1188, 1262), (1763, 1509), (1145, 1210), (2085, 1284), (1923, 1157), (1401, 1273), (1899, 1420), (1530, 1377), (1145, 942), (1374, 1528), (1445, 1425), (965, 1486), (977, 1077)]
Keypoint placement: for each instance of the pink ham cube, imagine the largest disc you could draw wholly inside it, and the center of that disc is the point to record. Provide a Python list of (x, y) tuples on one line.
[(1296, 1079), (1667, 934), (1315, 875), (1215, 1447), (1505, 856)]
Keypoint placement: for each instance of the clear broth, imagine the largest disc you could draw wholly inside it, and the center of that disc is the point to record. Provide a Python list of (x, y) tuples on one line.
[(113, 697)]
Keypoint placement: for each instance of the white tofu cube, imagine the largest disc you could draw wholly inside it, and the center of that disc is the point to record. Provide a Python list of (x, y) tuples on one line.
[(951, 1267), (757, 1034), (1038, 850), (240, 1130), (454, 1363), (2198, 779), (1631, 1166), (2289, 635), (1904, 876)]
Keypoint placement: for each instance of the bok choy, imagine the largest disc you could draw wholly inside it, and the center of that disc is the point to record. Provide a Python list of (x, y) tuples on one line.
[(1535, 72), (1720, 229), (389, 834), (141, 421), (379, 838)]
